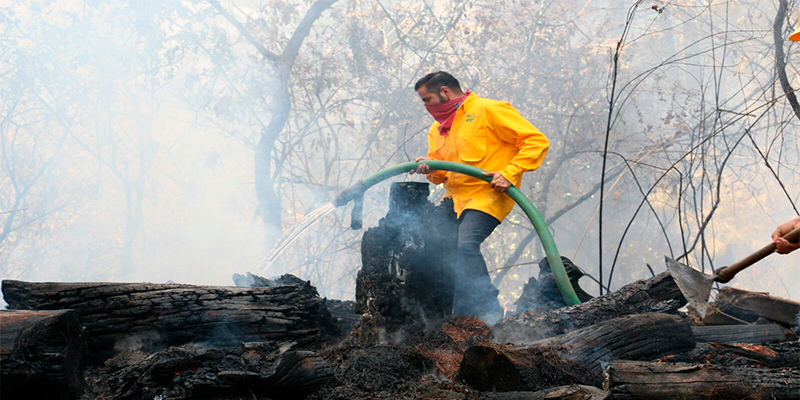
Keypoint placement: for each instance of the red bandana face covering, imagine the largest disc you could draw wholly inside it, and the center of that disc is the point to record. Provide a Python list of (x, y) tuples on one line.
[(445, 113)]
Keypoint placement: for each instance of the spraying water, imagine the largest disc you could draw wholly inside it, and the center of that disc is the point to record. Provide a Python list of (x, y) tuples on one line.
[(287, 239)]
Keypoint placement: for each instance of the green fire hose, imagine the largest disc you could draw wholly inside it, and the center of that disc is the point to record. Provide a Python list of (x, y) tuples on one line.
[(356, 194)]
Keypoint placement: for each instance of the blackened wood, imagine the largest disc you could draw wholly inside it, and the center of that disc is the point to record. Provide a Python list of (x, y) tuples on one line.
[(41, 354), (658, 294), (406, 274), (571, 392), (773, 355), (739, 333), (191, 371), (643, 380), (748, 306), (575, 357), (152, 316), (543, 293)]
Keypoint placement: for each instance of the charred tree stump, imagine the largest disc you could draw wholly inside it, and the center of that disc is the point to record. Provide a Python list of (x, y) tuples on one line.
[(575, 357), (191, 371), (152, 316), (736, 305), (406, 276), (659, 294), (642, 380), (543, 293), (41, 354), (762, 333), (572, 392)]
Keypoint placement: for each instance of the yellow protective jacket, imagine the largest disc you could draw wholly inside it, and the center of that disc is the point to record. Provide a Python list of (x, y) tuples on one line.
[(487, 134)]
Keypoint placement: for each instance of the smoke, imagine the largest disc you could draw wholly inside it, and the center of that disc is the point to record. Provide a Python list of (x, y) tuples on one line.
[(131, 133)]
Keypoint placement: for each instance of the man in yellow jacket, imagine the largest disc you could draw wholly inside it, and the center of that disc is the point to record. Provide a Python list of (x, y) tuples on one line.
[(487, 134)]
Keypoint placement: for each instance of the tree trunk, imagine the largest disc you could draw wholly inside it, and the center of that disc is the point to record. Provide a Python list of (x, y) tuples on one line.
[(41, 353), (575, 357), (151, 316), (643, 380), (406, 275), (657, 294), (572, 392)]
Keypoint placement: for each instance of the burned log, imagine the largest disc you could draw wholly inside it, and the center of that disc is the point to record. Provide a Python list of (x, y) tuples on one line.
[(739, 305), (774, 355), (192, 371), (643, 380), (572, 392), (152, 316), (406, 276), (761, 333), (543, 293), (41, 354), (575, 357), (342, 311), (658, 294)]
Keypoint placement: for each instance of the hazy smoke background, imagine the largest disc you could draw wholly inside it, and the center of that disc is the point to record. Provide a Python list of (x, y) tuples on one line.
[(175, 140)]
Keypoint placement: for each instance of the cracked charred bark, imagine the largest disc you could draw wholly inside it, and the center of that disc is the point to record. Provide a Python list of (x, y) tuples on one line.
[(152, 316)]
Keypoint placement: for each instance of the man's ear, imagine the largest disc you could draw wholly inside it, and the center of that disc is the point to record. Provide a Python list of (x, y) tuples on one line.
[(446, 92)]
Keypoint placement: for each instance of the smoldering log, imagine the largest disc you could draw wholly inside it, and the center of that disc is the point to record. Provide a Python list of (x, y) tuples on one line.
[(658, 294), (191, 371), (746, 306), (41, 354), (772, 355), (406, 274), (571, 392), (152, 316), (648, 380), (762, 333), (575, 357)]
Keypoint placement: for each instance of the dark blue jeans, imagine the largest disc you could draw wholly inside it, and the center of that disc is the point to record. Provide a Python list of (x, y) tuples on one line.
[(474, 293)]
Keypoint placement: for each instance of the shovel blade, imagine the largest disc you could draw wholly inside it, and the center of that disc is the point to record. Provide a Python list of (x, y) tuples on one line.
[(695, 285)]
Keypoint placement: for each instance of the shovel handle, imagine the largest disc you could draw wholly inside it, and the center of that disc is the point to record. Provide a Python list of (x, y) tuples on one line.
[(724, 275)]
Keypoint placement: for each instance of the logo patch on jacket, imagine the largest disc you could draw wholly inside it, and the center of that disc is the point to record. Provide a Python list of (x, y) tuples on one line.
[(472, 117)]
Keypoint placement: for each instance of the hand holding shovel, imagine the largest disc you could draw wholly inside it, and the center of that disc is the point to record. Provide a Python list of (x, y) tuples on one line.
[(696, 286)]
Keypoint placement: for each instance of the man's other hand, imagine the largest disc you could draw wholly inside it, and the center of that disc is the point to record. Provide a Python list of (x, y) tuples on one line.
[(422, 168), (782, 245), (499, 183)]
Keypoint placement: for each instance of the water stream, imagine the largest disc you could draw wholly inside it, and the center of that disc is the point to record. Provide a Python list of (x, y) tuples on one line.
[(289, 237)]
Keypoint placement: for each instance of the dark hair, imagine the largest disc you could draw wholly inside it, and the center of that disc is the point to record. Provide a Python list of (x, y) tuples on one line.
[(435, 80)]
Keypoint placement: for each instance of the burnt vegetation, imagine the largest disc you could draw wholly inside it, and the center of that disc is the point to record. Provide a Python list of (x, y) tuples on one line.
[(277, 339), (148, 141)]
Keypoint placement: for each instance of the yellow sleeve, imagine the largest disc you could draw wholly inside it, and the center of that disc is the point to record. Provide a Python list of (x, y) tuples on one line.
[(511, 127), (437, 177)]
